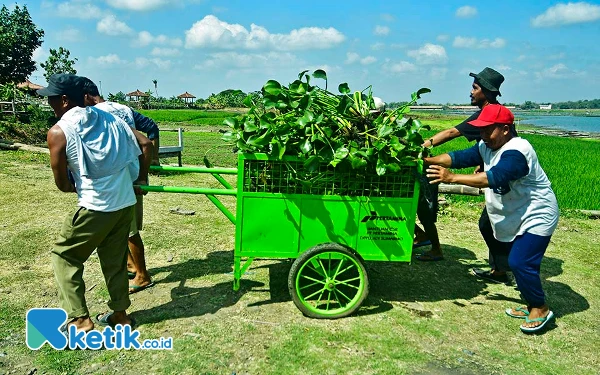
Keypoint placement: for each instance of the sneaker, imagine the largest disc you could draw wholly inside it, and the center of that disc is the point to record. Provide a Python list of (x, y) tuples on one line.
[(489, 276)]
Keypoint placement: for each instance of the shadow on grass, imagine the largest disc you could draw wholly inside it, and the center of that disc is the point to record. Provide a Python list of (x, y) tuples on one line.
[(394, 281), (561, 298), (449, 279), (188, 302)]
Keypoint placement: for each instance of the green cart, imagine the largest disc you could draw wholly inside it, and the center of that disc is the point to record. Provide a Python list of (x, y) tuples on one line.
[(330, 221)]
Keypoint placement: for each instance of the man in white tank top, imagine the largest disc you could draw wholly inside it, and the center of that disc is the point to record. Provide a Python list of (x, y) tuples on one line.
[(102, 155), (520, 202)]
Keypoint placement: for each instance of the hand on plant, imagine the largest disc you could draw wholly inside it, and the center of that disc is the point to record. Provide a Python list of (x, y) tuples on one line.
[(437, 174)]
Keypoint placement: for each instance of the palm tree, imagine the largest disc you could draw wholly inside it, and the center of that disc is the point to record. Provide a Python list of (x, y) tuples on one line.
[(155, 87)]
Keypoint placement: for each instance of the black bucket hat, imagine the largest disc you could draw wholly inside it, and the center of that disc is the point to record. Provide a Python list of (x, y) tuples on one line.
[(489, 79), (63, 84)]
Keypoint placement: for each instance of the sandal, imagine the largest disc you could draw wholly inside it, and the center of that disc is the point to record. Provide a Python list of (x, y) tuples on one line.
[(524, 310)]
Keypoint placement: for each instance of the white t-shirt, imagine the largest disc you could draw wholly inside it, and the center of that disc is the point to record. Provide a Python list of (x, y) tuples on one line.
[(530, 204), (122, 111), (102, 154)]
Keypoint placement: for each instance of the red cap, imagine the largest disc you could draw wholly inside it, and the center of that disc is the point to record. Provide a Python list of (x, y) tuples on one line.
[(493, 114)]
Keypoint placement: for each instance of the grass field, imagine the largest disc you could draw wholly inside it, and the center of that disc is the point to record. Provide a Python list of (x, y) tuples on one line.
[(419, 318)]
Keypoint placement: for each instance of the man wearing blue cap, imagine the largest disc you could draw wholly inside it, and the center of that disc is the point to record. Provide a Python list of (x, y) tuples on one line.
[(102, 155)]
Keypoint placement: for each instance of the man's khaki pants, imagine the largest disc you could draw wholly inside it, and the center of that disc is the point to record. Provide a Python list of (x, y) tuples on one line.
[(80, 234)]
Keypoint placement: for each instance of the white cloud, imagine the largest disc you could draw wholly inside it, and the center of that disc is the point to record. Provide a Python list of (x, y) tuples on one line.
[(466, 12), (377, 46), (212, 32), (558, 56), (79, 9), (103, 61), (142, 62), (438, 73), (443, 38), (70, 35), (40, 55), (140, 5), (521, 58), (468, 42), (567, 14), (399, 67), (388, 17), (158, 51), (503, 67), (145, 38), (109, 25), (381, 30), (429, 54), (558, 71), (252, 61), (368, 60), (352, 57)]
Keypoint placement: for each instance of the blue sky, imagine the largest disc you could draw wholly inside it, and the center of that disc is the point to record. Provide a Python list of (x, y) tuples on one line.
[(548, 51)]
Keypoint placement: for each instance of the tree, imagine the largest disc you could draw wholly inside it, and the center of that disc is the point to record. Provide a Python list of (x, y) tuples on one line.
[(155, 87), (59, 62), (19, 37)]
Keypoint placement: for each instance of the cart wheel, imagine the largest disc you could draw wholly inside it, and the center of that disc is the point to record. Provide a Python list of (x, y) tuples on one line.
[(328, 281)]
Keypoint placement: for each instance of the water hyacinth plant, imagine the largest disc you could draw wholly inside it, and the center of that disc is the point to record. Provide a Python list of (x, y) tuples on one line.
[(343, 130)]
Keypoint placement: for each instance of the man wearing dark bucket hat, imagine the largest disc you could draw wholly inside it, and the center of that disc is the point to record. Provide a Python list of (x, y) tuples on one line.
[(484, 91), (521, 205), (103, 157)]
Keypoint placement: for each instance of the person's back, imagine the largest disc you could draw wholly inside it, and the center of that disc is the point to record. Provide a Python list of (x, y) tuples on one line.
[(102, 155)]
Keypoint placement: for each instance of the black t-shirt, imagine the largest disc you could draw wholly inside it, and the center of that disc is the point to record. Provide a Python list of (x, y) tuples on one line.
[(472, 132), (469, 131)]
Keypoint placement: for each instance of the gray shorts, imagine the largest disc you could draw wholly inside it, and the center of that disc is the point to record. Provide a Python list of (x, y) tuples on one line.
[(138, 216)]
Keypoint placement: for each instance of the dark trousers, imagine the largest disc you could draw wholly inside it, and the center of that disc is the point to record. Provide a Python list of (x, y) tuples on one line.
[(498, 251), (525, 260)]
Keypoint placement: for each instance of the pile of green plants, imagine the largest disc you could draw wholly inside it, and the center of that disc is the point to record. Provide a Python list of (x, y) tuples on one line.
[(342, 130)]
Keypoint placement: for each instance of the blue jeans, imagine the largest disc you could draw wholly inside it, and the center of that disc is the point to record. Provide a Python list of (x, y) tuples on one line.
[(524, 260)]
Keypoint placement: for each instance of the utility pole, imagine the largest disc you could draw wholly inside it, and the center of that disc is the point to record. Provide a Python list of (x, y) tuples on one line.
[(100, 83)]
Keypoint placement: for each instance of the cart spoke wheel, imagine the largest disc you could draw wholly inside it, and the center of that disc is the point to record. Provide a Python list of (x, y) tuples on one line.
[(328, 281)]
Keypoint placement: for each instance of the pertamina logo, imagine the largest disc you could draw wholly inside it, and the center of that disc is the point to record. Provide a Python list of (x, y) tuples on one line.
[(374, 216)]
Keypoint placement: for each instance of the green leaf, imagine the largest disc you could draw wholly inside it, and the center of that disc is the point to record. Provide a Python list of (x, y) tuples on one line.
[(384, 131), (232, 122), (305, 102), (298, 87), (306, 146), (328, 131), (272, 87), (302, 73), (262, 140), (248, 102), (421, 91), (320, 73), (306, 119), (393, 167), (380, 167), (312, 163), (341, 153), (344, 88), (227, 136), (358, 162)]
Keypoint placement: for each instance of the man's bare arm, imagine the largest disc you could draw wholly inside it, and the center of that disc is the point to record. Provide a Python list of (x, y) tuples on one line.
[(442, 137), (146, 156), (57, 144)]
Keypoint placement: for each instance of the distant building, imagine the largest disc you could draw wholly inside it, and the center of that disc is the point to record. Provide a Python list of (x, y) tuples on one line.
[(545, 106)]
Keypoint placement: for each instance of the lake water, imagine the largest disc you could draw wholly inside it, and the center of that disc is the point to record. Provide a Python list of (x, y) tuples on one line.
[(572, 123)]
